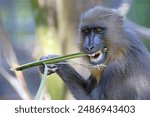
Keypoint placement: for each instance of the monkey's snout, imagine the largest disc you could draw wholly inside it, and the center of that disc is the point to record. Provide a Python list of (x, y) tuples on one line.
[(89, 48)]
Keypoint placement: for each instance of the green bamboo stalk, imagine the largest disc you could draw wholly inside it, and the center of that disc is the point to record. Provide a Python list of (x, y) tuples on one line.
[(48, 61), (42, 85)]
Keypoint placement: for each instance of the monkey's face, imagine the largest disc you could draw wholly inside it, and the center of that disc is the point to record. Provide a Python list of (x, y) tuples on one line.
[(93, 44), (100, 30)]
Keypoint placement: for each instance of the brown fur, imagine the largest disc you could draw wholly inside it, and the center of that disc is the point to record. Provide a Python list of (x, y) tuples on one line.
[(97, 73)]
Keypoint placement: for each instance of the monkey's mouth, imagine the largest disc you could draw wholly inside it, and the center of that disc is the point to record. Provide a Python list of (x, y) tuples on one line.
[(98, 57)]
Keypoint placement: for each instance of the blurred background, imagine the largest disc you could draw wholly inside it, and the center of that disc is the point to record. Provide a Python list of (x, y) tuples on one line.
[(30, 29)]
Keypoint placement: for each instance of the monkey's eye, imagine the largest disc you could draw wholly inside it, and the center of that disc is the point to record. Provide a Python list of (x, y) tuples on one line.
[(86, 31), (98, 29)]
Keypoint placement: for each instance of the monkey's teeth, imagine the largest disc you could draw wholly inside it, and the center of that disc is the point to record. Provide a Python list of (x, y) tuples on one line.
[(96, 57), (94, 54)]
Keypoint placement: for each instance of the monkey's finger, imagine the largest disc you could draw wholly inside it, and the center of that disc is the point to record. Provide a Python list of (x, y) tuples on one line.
[(52, 70), (41, 68)]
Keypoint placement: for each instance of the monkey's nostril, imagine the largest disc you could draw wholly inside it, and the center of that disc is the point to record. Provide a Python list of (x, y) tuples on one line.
[(90, 47)]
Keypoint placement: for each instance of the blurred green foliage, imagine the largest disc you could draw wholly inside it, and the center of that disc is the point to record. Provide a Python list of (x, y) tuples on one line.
[(39, 13), (139, 13), (55, 87)]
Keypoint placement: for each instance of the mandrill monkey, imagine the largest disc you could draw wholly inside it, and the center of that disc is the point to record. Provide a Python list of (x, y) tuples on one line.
[(107, 39)]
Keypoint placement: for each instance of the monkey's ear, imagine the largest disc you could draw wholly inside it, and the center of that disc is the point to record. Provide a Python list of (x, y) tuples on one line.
[(123, 9), (119, 13)]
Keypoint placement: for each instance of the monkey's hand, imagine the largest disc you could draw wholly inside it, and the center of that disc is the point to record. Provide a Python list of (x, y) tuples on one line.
[(52, 68)]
